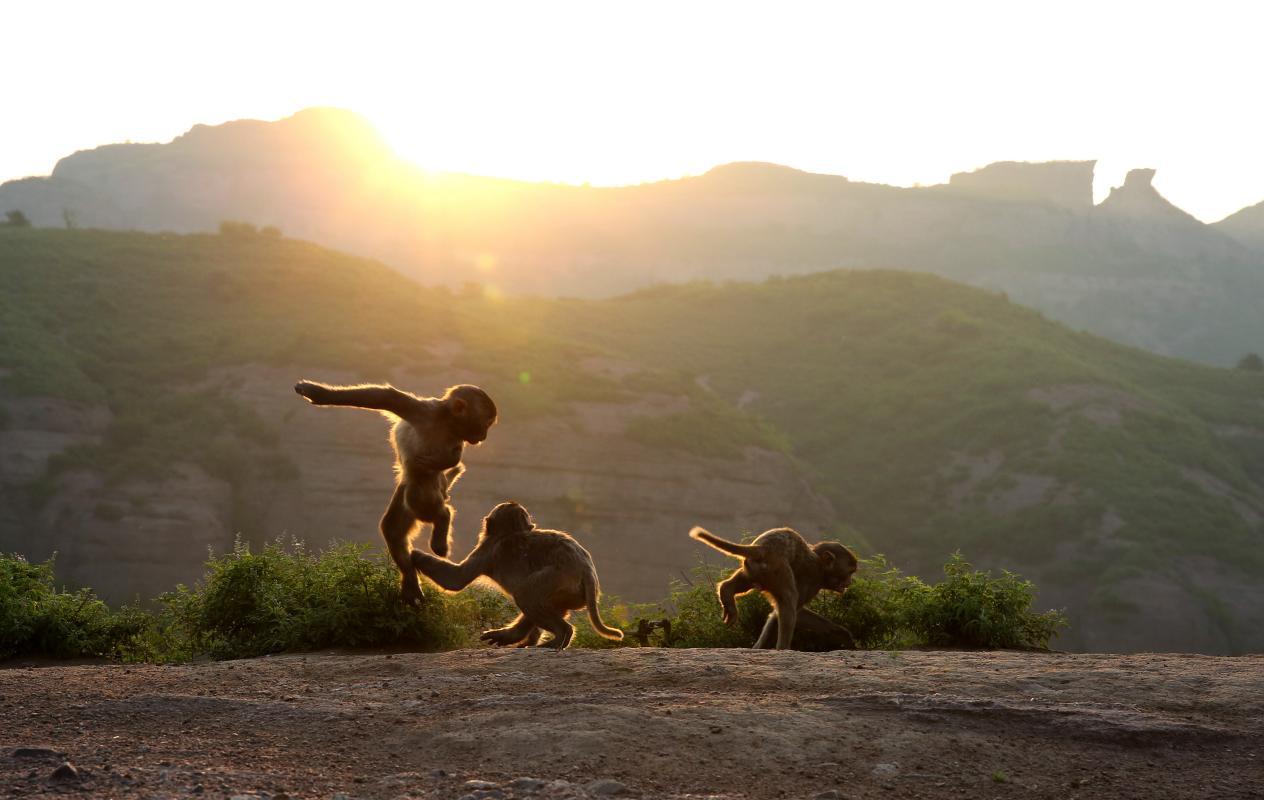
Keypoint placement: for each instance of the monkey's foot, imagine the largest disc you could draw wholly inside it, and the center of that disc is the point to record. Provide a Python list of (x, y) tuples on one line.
[(439, 543), (502, 637), (410, 593)]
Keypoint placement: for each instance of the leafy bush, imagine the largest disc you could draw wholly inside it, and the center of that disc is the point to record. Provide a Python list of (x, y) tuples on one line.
[(37, 619), (16, 219), (286, 598), (970, 608)]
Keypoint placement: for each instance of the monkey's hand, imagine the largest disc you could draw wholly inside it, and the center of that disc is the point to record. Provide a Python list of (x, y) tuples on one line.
[(730, 616), (314, 392)]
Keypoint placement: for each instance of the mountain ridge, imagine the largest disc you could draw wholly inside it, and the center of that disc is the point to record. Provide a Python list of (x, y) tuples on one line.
[(1133, 268)]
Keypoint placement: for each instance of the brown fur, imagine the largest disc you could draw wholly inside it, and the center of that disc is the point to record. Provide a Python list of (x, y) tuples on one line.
[(790, 572), (429, 438), (547, 573)]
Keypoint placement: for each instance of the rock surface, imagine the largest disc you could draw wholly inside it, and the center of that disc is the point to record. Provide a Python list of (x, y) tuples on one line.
[(648, 723)]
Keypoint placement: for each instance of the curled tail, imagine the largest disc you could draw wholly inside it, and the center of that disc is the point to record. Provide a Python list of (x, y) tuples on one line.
[(724, 545), (591, 592)]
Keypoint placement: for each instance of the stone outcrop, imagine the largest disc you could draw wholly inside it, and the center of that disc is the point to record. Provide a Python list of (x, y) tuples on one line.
[(1067, 184)]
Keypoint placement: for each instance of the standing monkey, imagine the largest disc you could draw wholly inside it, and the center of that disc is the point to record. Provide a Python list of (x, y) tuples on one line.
[(790, 572), (547, 573), (429, 436)]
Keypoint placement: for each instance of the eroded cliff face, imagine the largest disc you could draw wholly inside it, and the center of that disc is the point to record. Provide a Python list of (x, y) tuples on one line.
[(631, 505), (126, 539)]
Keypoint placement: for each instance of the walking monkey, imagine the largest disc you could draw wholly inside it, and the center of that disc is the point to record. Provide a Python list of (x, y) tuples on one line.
[(782, 565)]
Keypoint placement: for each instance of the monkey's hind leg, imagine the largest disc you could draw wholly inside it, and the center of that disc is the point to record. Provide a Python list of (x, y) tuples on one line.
[(552, 620), (768, 637), (397, 529), (441, 534), (517, 631), (533, 638), (728, 590), (561, 630)]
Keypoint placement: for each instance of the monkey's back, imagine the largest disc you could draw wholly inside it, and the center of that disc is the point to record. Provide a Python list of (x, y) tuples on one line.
[(545, 562), (780, 546)]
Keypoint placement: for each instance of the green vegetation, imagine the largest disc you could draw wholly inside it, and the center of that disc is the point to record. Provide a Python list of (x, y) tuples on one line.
[(16, 219), (934, 416), (939, 417), (38, 619), (286, 599)]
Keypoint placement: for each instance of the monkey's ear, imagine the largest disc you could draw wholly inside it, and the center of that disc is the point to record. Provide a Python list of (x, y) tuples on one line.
[(458, 406), (827, 557)]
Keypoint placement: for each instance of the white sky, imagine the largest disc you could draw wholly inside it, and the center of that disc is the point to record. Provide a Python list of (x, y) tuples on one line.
[(897, 92)]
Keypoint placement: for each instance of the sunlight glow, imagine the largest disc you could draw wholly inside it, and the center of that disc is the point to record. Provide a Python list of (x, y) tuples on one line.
[(900, 92)]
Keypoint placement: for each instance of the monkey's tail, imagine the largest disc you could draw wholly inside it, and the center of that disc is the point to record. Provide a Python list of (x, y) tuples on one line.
[(724, 545), (591, 590)]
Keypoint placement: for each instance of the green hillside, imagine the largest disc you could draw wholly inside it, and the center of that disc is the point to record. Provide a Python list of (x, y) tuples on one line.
[(1129, 487), (939, 417)]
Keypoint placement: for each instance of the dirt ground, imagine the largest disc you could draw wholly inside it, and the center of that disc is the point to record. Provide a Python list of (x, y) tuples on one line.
[(651, 723)]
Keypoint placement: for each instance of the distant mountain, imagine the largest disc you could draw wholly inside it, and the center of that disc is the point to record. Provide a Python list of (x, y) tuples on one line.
[(1247, 226), (1135, 268), (146, 412)]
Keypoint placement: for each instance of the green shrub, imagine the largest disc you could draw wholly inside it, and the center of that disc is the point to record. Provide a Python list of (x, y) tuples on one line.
[(878, 607), (286, 598), (970, 608), (37, 619)]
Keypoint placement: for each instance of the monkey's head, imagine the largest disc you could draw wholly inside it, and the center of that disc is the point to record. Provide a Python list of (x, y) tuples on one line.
[(838, 565), (472, 411), (507, 519)]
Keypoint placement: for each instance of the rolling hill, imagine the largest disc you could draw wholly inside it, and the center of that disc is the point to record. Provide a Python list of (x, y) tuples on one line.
[(147, 413), (1133, 268)]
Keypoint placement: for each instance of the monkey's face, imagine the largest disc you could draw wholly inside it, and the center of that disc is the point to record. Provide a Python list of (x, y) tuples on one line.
[(839, 563), (473, 412), (507, 519)]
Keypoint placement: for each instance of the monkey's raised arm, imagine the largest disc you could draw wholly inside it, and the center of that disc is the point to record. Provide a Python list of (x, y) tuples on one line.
[(448, 575), (374, 398)]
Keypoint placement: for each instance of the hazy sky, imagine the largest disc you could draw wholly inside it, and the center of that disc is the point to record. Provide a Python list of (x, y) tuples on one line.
[(896, 92)]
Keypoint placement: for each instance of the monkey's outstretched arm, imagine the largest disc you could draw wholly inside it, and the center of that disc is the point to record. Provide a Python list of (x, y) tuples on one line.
[(449, 576), (374, 398)]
